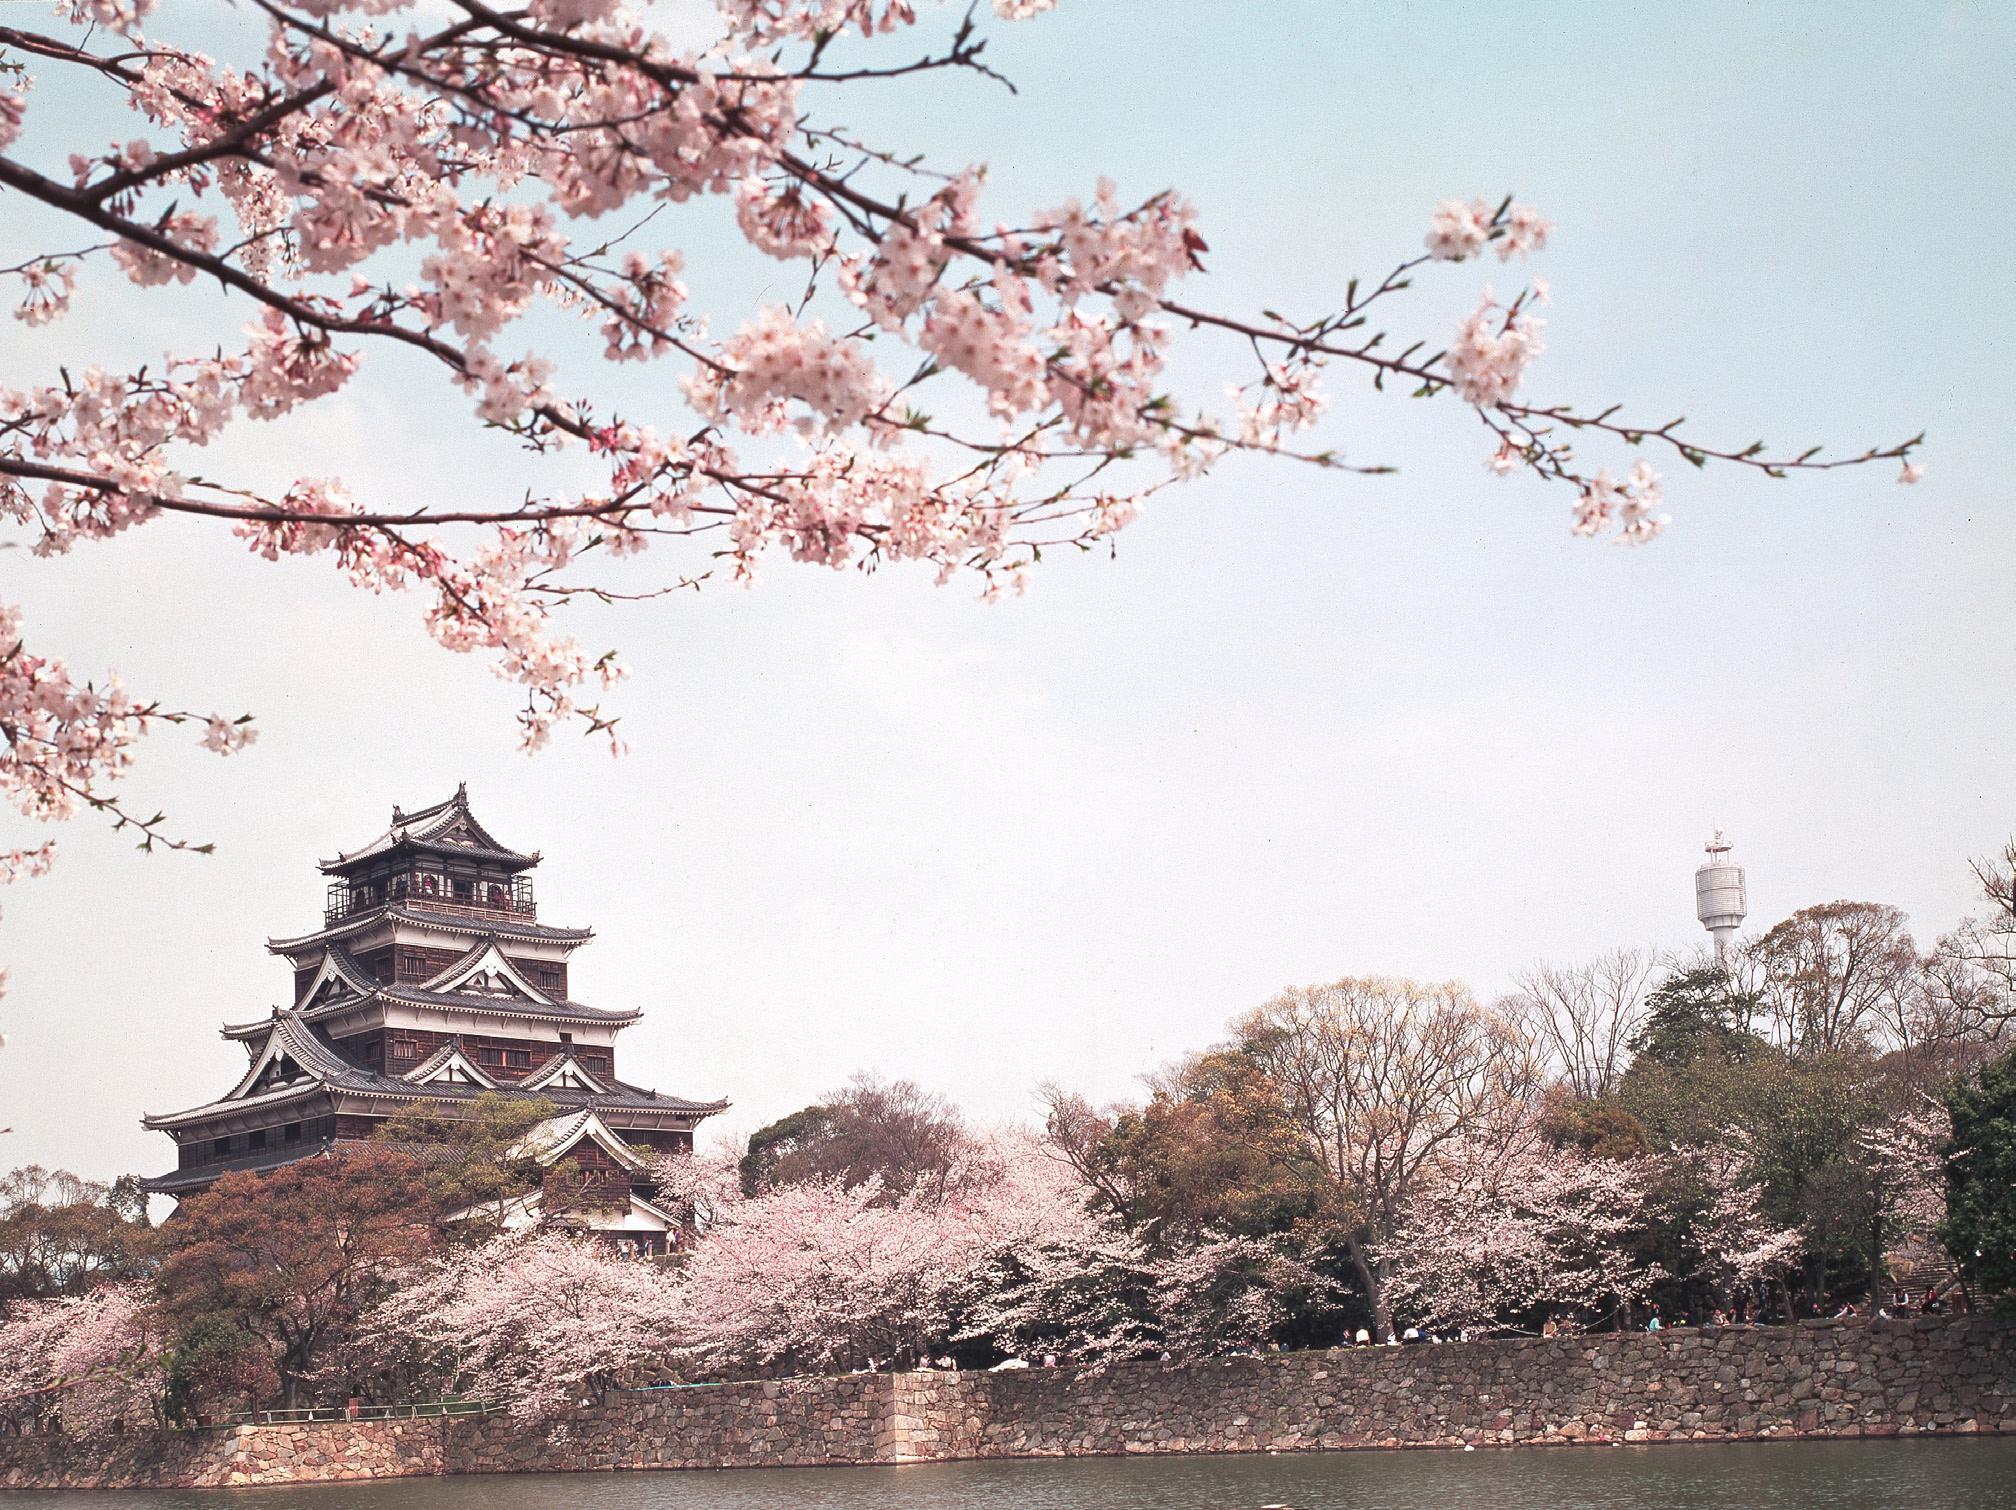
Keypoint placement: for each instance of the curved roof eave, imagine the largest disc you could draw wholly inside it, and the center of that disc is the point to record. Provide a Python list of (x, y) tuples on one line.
[(481, 1006), (161, 1121), (444, 922), (423, 830)]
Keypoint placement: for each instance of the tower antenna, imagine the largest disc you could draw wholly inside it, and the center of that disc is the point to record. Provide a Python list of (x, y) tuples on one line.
[(1719, 899)]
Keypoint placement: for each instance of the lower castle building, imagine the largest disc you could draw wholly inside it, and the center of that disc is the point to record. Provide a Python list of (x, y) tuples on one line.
[(432, 980)]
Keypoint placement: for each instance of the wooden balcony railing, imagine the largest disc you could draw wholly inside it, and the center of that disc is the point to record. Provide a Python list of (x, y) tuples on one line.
[(508, 896)]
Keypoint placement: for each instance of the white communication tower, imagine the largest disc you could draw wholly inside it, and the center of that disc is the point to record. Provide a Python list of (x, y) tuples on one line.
[(1718, 896)]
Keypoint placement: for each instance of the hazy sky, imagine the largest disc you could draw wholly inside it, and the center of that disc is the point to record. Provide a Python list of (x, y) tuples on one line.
[(1304, 725)]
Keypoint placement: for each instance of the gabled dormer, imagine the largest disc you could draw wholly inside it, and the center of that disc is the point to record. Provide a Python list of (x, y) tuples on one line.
[(450, 1065), (337, 975), (486, 971), (563, 1072), (288, 1053), (556, 1137)]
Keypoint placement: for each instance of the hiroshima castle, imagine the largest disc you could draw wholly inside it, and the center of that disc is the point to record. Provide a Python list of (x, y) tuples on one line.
[(432, 981)]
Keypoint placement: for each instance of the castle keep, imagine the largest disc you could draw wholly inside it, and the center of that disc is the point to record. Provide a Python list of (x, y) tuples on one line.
[(432, 980)]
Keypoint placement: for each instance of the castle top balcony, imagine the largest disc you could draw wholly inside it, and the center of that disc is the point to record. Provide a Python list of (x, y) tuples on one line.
[(437, 891)]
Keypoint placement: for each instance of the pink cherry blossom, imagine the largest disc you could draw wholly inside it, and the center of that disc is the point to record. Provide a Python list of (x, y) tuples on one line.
[(1905, 1154), (1631, 506), (783, 221), (68, 741), (47, 289), (1639, 519), (1734, 1243), (1525, 233), (1491, 352), (89, 1364), (226, 736), (954, 383), (532, 1320), (13, 109), (1457, 230), (148, 266), (774, 361), (1499, 1230)]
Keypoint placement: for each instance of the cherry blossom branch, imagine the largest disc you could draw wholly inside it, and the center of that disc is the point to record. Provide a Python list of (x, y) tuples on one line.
[(488, 145)]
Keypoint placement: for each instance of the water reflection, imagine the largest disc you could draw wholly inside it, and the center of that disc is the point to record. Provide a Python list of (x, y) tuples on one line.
[(1924, 1475)]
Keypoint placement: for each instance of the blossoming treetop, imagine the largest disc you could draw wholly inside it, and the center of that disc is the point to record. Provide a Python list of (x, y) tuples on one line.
[(946, 386)]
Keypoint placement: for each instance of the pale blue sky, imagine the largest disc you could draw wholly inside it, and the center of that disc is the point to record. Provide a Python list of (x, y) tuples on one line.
[(1304, 725)]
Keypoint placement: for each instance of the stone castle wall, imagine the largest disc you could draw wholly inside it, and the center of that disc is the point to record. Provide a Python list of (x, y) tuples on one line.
[(300, 1453), (1829, 1380), (1845, 1379)]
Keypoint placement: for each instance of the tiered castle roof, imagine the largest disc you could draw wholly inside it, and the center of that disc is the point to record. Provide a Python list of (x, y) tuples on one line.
[(431, 980)]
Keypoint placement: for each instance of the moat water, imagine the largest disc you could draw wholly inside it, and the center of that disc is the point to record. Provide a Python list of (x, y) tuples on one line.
[(1945, 1474)]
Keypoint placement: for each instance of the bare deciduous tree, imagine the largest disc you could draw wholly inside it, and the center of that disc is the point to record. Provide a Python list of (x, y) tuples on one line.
[(1583, 1016), (1379, 1075), (1834, 974), (1075, 1131), (1973, 968)]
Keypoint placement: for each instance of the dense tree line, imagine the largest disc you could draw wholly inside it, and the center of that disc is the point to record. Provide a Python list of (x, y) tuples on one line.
[(1824, 1118)]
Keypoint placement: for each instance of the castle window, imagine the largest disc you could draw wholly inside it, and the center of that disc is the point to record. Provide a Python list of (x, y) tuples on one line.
[(256, 1139)]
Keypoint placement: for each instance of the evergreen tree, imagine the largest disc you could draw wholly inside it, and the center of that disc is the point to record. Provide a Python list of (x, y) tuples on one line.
[(1692, 1013), (1980, 1229)]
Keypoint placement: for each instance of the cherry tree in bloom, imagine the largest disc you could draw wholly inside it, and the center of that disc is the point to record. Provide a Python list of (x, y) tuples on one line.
[(1222, 1292), (819, 1276), (1498, 1232), (535, 1321), (1734, 1243), (1044, 1273), (1905, 1154), (88, 1363), (1087, 1301), (1051, 1275), (955, 383)]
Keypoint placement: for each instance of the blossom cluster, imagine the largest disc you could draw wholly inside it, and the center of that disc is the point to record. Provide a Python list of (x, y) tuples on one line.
[(820, 1275), (88, 1363), (1632, 506), (1458, 231), (532, 1319), (1491, 352), (66, 741)]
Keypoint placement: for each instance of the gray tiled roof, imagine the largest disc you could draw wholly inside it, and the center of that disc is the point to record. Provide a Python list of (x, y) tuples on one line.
[(178, 1181), (423, 830), (495, 927), (483, 1006), (328, 1068)]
